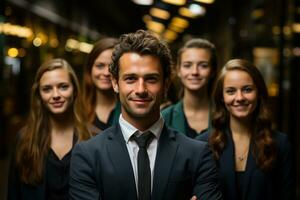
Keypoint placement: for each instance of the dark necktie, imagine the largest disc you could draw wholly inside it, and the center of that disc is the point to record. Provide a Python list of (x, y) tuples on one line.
[(144, 172)]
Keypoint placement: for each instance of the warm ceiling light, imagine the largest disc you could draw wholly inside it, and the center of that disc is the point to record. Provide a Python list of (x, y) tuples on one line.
[(183, 11), (296, 27), (147, 18), (193, 11), (205, 1), (257, 13), (160, 13), (170, 35), (155, 26), (197, 9), (175, 2), (176, 28), (12, 52), (180, 22), (37, 41), (143, 2)]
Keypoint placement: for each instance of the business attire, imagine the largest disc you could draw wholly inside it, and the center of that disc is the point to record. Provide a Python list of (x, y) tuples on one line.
[(55, 183), (112, 119), (105, 167), (253, 183), (175, 118)]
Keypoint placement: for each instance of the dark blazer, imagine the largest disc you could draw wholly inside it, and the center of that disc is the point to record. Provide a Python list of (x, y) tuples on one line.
[(174, 117), (277, 184), (101, 169)]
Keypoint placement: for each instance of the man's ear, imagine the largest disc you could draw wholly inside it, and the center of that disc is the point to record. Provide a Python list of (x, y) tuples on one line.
[(115, 85)]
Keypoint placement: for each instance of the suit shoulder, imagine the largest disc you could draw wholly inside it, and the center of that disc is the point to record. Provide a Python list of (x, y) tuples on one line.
[(204, 136), (98, 140), (187, 141)]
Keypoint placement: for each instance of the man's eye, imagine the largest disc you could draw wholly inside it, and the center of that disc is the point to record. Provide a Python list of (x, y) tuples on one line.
[(129, 79), (152, 79)]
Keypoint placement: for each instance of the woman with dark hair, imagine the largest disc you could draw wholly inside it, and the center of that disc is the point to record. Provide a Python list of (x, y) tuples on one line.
[(254, 161), (100, 100), (40, 166), (196, 69)]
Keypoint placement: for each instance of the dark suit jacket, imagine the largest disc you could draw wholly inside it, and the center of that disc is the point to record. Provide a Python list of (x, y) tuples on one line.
[(101, 169), (276, 184)]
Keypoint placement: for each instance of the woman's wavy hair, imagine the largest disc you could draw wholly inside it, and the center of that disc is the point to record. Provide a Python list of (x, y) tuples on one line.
[(89, 88), (34, 142), (200, 43), (265, 150)]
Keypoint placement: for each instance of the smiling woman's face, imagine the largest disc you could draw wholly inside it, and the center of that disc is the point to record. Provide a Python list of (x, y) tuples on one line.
[(56, 90), (239, 94)]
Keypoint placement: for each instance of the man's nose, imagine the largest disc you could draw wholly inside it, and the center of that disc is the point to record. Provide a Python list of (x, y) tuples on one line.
[(141, 88)]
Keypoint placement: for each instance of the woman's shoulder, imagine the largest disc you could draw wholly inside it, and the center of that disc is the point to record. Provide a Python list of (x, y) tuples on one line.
[(167, 111)]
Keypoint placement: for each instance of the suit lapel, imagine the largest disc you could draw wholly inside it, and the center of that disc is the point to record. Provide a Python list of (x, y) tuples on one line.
[(119, 156), (178, 121), (227, 168), (166, 152)]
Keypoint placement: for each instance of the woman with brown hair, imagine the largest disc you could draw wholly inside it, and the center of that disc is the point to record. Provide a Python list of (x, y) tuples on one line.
[(100, 100), (197, 70), (255, 162), (40, 166)]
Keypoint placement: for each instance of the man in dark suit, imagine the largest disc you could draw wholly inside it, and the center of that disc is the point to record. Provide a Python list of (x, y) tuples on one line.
[(114, 165)]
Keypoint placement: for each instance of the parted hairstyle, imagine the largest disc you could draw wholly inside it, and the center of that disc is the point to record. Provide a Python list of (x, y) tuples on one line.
[(143, 43), (34, 141), (200, 43), (265, 150), (89, 88)]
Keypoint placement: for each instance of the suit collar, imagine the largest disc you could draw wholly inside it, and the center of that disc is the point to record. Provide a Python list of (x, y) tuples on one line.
[(118, 153)]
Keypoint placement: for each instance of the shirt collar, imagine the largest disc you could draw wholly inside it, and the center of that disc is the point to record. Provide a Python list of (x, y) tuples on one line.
[(128, 130)]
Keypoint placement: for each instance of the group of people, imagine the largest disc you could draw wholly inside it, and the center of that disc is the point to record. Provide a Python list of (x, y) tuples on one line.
[(112, 140)]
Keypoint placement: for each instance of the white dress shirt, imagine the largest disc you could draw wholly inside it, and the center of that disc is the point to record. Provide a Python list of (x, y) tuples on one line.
[(128, 130)]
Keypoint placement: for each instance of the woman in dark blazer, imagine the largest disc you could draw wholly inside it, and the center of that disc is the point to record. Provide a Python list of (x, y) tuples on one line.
[(197, 70), (255, 162), (40, 163)]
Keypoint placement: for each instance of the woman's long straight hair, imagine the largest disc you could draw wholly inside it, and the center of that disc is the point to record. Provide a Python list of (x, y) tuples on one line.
[(34, 142)]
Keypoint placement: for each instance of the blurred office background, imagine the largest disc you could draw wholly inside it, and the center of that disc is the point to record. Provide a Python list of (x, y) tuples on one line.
[(266, 32)]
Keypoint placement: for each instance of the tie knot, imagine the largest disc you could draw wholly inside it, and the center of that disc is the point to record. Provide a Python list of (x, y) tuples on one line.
[(144, 140)]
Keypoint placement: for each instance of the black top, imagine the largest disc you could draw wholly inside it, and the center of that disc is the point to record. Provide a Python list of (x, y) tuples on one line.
[(111, 119), (240, 183), (57, 176), (190, 132)]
